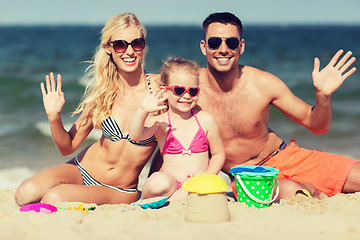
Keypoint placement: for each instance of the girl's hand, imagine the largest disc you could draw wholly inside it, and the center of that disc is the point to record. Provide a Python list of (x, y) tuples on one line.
[(154, 102), (53, 97)]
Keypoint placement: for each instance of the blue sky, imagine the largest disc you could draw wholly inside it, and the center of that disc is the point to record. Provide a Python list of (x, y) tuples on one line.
[(183, 12)]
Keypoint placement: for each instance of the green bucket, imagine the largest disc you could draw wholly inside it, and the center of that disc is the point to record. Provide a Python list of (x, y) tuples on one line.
[(255, 185)]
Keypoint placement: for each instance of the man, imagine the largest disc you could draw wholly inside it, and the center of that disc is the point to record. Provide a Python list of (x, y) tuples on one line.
[(239, 98)]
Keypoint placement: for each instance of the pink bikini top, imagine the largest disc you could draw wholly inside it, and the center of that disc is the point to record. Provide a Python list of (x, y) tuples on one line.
[(198, 144)]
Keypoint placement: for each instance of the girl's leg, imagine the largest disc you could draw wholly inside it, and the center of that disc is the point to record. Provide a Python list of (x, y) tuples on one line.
[(34, 188), (180, 194), (159, 184)]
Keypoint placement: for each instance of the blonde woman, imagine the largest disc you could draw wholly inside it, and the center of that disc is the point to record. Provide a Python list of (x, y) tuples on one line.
[(107, 171)]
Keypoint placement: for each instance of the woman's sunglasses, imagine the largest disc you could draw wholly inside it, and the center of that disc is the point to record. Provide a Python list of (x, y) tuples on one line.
[(120, 46), (180, 90), (231, 42)]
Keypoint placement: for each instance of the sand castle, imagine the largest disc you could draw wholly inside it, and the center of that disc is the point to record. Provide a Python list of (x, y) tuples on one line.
[(206, 201)]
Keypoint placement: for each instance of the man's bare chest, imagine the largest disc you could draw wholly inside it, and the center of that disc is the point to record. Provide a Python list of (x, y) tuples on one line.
[(238, 116)]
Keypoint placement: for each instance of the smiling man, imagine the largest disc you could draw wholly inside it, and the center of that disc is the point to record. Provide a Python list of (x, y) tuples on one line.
[(239, 97)]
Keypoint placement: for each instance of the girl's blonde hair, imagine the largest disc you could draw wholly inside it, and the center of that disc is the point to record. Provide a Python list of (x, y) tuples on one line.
[(174, 64), (105, 79)]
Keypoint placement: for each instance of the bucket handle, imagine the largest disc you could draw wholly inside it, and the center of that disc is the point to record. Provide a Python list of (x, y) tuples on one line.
[(253, 197)]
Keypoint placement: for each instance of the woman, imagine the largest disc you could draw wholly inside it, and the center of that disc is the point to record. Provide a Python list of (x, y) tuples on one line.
[(106, 171)]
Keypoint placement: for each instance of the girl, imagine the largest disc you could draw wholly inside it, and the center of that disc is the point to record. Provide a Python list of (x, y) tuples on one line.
[(184, 132), (106, 171)]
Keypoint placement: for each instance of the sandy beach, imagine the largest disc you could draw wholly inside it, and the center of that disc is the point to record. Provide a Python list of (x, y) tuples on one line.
[(299, 218)]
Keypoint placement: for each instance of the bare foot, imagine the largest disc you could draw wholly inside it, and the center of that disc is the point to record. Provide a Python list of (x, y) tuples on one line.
[(310, 191)]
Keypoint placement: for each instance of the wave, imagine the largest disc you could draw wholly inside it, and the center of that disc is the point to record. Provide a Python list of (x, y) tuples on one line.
[(12, 177), (7, 128), (44, 128)]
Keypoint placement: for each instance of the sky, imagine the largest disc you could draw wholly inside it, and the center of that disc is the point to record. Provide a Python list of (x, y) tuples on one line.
[(179, 12)]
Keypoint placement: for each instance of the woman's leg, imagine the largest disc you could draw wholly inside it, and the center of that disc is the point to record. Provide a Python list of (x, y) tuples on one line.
[(87, 193), (64, 183), (34, 188)]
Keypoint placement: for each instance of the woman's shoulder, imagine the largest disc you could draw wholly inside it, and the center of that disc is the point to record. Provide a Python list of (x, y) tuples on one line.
[(154, 80), (153, 75)]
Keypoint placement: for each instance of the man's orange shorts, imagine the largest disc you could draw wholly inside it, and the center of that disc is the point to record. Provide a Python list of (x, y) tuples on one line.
[(325, 171)]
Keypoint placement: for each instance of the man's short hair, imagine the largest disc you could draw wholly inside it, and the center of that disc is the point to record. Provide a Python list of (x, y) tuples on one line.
[(224, 18)]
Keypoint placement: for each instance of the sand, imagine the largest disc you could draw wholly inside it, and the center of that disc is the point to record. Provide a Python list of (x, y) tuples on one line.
[(337, 218)]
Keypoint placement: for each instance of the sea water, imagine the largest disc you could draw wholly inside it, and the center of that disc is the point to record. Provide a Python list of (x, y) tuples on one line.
[(28, 53)]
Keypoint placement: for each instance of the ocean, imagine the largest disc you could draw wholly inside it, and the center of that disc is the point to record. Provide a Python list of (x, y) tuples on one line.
[(28, 53)]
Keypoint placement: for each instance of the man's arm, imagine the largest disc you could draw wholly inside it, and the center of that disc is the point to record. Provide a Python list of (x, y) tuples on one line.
[(326, 82), (315, 118)]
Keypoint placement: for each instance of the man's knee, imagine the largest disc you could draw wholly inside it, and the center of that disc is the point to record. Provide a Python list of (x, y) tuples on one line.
[(352, 183)]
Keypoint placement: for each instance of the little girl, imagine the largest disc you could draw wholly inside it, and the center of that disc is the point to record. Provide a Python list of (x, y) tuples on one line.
[(185, 133)]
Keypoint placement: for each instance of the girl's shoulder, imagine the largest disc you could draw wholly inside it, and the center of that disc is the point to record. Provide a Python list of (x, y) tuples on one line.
[(203, 116)]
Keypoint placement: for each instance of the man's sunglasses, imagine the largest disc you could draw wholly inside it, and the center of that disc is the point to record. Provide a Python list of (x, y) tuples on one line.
[(231, 42), (180, 90), (120, 46)]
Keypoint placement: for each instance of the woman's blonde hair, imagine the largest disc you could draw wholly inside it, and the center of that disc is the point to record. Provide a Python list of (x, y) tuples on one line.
[(105, 80), (174, 64)]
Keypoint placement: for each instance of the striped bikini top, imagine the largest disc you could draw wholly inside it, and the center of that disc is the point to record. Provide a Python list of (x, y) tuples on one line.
[(112, 131)]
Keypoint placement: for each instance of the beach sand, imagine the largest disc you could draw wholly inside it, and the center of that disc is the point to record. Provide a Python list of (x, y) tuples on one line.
[(337, 217)]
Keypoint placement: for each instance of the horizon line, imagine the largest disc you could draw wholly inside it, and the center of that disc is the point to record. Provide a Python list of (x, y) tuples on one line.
[(79, 24)]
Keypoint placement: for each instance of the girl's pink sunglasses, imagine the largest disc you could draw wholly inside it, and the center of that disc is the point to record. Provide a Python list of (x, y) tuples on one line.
[(180, 90)]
